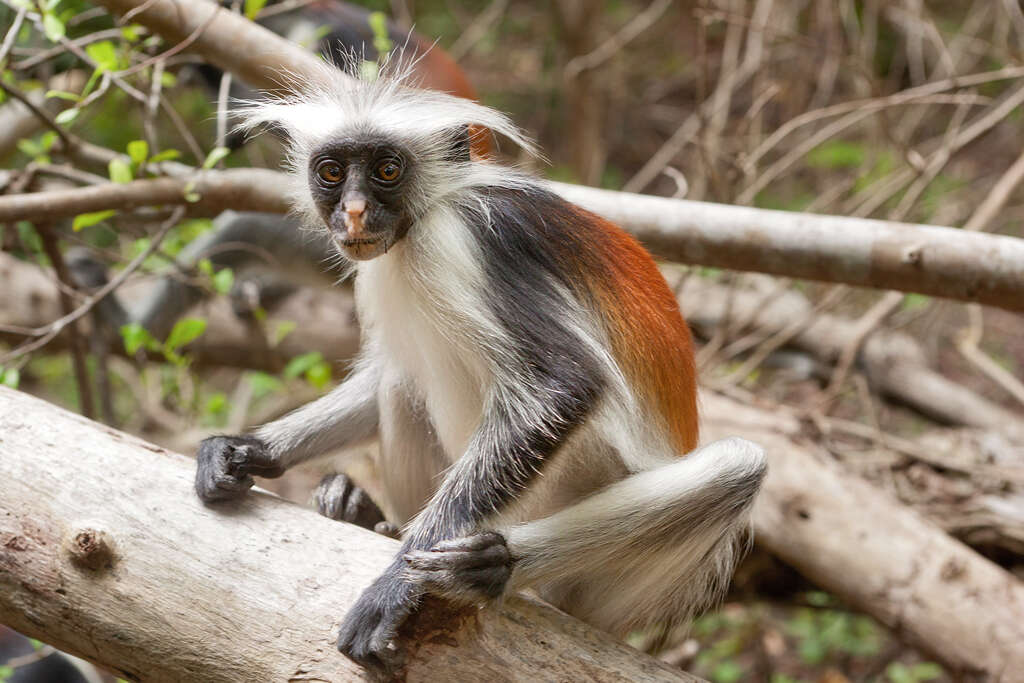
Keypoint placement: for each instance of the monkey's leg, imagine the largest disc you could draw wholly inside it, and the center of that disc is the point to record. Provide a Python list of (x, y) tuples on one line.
[(653, 548)]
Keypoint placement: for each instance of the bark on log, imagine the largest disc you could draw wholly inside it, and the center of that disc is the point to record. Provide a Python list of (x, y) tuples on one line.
[(863, 252), (106, 553), (244, 189), (852, 539), (838, 530)]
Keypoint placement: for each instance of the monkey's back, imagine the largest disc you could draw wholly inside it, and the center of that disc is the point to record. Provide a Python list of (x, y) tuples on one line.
[(533, 233)]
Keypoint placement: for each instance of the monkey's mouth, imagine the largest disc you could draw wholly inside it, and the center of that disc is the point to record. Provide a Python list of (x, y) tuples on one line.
[(362, 248)]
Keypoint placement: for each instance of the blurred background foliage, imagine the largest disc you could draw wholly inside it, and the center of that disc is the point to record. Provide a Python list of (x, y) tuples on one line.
[(676, 98)]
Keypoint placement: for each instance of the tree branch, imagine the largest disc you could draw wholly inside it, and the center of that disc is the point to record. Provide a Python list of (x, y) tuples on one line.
[(932, 260)]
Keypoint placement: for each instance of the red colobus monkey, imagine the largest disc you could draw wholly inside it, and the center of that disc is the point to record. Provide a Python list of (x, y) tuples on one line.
[(525, 367)]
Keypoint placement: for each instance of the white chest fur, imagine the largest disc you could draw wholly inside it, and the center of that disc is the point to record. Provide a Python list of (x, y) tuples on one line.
[(422, 308)]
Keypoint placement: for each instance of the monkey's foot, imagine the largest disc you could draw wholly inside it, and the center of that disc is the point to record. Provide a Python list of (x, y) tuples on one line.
[(472, 569), (338, 498)]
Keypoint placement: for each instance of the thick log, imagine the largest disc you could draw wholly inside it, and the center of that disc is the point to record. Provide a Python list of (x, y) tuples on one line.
[(106, 553), (266, 555), (857, 542)]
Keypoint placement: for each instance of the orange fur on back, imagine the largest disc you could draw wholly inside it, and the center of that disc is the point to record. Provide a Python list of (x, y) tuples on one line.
[(650, 338)]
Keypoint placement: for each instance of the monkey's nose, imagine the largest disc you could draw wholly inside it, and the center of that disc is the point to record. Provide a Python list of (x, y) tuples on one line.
[(354, 207)]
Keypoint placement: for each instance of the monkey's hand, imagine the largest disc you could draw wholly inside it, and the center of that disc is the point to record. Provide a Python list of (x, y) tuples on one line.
[(470, 570), (226, 465), (369, 631)]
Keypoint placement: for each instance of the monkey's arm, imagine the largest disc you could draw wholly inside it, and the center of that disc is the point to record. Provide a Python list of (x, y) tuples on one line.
[(342, 418), (522, 425)]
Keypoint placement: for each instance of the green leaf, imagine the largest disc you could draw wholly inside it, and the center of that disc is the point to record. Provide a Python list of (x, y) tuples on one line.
[(282, 330), (205, 266), (6, 672), (84, 220), (104, 53), (67, 116), (836, 154), (183, 332), (223, 280), (189, 192), (53, 27), (216, 404), (10, 377), (132, 32), (120, 171), (727, 672), (818, 598), (138, 151), (29, 148), (28, 237), (914, 302), (926, 671), (898, 673), (63, 95), (379, 25), (262, 384), (300, 364), (319, 375), (136, 337), (253, 7), (47, 139), (165, 155), (215, 155), (168, 80)]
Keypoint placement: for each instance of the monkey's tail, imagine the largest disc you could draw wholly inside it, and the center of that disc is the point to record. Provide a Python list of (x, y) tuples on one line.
[(654, 549)]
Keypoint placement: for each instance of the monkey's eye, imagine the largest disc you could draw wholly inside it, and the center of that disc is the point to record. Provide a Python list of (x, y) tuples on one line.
[(330, 172), (389, 170)]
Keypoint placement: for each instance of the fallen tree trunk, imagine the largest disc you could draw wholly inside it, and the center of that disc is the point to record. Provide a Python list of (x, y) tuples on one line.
[(105, 552), (894, 362), (852, 539), (167, 609)]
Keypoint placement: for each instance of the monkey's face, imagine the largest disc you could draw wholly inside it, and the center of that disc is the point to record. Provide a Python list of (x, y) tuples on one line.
[(361, 188)]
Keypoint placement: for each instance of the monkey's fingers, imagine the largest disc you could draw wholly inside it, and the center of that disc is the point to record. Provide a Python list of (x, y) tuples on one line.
[(467, 586), (434, 560), (213, 484), (252, 458), (339, 498), (480, 541), (466, 570)]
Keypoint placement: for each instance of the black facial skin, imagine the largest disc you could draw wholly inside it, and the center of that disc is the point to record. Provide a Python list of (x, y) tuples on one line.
[(359, 170)]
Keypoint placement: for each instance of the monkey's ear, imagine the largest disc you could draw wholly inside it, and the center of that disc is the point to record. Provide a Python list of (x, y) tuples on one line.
[(458, 144)]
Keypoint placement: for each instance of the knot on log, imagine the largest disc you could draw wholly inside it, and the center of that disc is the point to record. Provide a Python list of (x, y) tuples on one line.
[(90, 548)]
